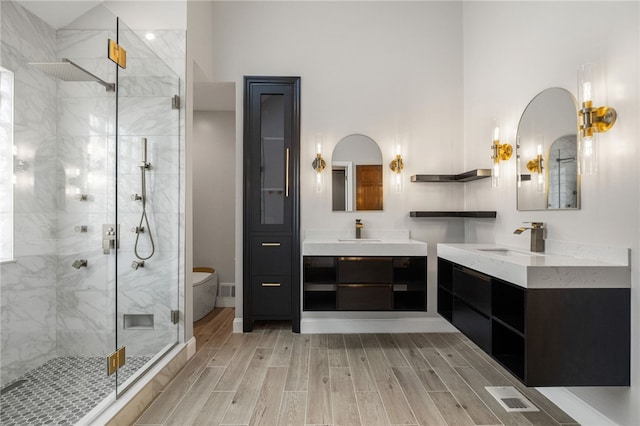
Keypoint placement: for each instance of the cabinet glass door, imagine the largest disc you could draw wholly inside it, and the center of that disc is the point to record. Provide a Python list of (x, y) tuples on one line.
[(272, 157), (273, 160)]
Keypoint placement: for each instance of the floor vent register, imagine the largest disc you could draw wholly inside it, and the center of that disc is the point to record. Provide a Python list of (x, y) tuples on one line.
[(510, 399)]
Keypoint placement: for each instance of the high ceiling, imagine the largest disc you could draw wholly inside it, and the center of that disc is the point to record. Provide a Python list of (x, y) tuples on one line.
[(138, 14)]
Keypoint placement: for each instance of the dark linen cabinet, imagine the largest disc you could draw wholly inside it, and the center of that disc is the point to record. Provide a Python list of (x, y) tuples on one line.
[(271, 249)]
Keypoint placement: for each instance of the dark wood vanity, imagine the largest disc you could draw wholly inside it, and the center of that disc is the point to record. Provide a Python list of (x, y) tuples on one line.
[(365, 283), (544, 336)]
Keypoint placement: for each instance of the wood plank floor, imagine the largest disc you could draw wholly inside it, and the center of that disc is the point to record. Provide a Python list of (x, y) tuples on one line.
[(275, 377)]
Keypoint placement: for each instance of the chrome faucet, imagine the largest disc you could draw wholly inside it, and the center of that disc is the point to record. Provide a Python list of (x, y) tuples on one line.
[(537, 236), (359, 227)]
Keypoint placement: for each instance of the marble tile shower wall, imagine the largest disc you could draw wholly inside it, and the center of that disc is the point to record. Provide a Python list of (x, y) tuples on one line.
[(145, 91), (145, 110), (65, 131), (86, 119), (28, 286)]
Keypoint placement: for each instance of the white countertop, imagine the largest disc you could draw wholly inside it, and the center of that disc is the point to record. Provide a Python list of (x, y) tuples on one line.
[(537, 270), (364, 247), (373, 243)]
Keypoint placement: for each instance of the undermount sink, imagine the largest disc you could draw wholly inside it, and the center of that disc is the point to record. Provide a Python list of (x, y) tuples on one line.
[(507, 252), (359, 240)]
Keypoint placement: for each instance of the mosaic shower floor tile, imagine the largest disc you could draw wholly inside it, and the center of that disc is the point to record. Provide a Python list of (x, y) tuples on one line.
[(61, 391)]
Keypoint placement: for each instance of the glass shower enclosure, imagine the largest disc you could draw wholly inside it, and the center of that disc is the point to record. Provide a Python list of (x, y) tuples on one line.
[(90, 217)]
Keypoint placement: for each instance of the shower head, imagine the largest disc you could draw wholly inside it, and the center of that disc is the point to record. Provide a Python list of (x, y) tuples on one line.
[(69, 71)]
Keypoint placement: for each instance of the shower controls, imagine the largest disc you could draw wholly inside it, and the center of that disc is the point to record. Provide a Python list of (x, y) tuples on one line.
[(144, 219), (110, 237), (80, 263), (82, 197), (137, 264), (135, 197), (82, 228)]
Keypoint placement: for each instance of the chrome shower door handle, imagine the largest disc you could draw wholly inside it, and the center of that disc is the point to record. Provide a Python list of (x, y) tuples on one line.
[(110, 237)]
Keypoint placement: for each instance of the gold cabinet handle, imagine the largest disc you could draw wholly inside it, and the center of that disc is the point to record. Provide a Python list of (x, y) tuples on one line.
[(270, 284), (286, 174), (270, 244)]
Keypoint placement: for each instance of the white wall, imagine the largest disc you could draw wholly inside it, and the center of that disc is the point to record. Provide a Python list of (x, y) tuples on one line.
[(512, 51), (214, 195), (384, 69)]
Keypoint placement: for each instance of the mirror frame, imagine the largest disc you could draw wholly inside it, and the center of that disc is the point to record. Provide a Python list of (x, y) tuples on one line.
[(351, 165), (549, 139)]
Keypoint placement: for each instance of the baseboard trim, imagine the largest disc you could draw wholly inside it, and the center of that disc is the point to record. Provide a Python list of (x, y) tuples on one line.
[(386, 325), (225, 302), (577, 408), (238, 325)]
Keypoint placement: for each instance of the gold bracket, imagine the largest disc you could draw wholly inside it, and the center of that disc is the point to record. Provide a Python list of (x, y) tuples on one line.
[(397, 164), (595, 119), (501, 152), (318, 163), (115, 361), (117, 54)]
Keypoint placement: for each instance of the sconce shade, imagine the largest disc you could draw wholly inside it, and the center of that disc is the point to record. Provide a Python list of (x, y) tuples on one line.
[(591, 120), (499, 152)]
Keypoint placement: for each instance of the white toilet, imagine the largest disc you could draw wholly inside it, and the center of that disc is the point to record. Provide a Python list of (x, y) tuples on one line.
[(205, 289)]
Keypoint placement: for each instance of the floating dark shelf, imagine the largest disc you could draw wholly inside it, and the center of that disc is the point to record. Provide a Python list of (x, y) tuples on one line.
[(462, 177), (476, 214)]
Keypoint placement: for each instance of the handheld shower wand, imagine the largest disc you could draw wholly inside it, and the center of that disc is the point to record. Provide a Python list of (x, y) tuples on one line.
[(144, 166)]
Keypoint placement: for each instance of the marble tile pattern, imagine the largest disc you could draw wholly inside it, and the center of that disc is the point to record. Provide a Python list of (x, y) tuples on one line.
[(66, 133), (28, 285)]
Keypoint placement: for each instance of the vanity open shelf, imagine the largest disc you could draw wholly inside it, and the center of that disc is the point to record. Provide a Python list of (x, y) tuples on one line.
[(462, 177), (544, 336), (365, 283), (469, 214)]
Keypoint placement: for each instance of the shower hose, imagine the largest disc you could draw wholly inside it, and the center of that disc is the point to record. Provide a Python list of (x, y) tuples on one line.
[(143, 218)]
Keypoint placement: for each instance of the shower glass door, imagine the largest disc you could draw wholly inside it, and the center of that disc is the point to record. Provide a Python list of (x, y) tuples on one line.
[(147, 206)]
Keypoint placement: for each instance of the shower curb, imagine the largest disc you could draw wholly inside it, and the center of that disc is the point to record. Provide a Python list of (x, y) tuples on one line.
[(135, 401)]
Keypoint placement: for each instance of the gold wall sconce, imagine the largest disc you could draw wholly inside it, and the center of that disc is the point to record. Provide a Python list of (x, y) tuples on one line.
[(536, 165), (499, 152), (397, 165), (591, 120), (319, 164)]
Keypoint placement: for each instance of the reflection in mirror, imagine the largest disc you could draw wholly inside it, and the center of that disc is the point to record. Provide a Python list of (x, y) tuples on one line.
[(547, 140), (563, 174), (356, 174)]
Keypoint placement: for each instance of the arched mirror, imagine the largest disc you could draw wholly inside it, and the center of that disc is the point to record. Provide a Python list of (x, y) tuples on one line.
[(356, 174), (547, 169)]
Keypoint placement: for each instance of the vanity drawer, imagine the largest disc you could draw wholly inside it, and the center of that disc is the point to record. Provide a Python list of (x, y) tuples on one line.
[(473, 287), (271, 296), (271, 255), (365, 270), (473, 324), (365, 297)]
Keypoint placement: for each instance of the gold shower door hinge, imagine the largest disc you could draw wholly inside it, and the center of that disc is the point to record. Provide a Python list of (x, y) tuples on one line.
[(115, 361), (117, 54)]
